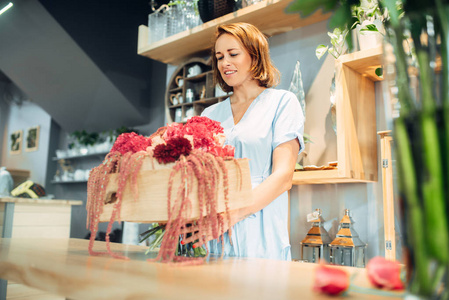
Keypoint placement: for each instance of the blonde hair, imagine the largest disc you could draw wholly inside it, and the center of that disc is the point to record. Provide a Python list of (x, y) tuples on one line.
[(256, 44)]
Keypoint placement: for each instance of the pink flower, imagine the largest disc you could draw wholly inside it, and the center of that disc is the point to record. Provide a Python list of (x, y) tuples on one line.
[(217, 151), (202, 136), (173, 130), (130, 142), (212, 126), (170, 142), (384, 273), (330, 280), (228, 150)]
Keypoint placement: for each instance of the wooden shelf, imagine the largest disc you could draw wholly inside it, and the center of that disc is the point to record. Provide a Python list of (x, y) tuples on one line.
[(321, 177), (81, 156), (268, 15), (71, 181), (364, 62), (198, 77), (356, 122), (176, 106), (175, 90)]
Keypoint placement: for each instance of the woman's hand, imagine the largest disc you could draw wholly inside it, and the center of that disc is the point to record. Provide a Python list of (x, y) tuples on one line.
[(191, 233)]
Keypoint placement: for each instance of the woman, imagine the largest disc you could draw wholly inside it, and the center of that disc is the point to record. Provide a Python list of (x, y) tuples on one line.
[(264, 125)]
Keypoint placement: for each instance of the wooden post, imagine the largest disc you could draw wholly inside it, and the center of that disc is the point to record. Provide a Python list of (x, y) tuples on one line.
[(388, 195)]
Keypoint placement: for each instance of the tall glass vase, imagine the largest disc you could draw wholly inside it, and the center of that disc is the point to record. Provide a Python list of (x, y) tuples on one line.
[(416, 77)]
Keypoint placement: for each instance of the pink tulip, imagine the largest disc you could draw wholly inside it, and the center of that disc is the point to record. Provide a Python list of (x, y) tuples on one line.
[(384, 273), (330, 280)]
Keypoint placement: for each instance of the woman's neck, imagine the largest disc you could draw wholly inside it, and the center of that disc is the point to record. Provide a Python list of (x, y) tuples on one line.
[(246, 93)]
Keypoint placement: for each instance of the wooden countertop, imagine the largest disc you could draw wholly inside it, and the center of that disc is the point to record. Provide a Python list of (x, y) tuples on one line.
[(40, 201), (63, 266)]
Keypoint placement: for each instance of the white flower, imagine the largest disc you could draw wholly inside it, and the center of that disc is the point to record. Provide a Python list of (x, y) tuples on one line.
[(157, 140), (219, 138)]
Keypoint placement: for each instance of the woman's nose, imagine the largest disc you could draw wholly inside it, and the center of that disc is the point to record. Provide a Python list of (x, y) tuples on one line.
[(225, 61)]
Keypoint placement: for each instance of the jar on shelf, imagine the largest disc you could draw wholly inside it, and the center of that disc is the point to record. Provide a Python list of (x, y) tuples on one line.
[(157, 24), (189, 96)]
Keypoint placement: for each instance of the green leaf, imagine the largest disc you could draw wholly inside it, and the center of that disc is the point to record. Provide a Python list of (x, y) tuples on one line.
[(379, 72), (333, 52), (349, 41), (392, 11), (307, 138), (298, 167), (320, 51), (341, 17), (306, 7), (370, 27), (335, 35)]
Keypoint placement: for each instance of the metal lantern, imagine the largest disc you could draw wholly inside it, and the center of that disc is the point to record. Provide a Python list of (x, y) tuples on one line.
[(347, 249), (315, 245)]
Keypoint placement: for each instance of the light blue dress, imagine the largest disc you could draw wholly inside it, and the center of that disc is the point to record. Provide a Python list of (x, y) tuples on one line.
[(273, 118)]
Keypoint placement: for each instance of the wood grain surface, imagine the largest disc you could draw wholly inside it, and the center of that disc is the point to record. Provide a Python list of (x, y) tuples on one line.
[(64, 267)]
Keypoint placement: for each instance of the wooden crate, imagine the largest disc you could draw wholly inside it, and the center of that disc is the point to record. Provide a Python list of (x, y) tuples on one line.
[(151, 204)]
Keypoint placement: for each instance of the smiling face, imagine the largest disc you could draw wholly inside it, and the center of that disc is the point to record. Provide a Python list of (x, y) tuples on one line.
[(233, 61)]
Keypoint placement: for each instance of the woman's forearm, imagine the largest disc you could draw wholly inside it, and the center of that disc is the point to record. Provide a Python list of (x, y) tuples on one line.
[(280, 180), (270, 189)]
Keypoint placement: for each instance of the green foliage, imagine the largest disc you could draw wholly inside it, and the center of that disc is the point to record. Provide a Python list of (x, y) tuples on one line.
[(307, 138), (370, 27), (347, 14), (85, 138), (338, 39), (158, 231), (379, 72), (91, 138), (125, 129), (308, 7)]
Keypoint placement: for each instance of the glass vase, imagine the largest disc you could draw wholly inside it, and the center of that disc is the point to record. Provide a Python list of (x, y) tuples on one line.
[(416, 80), (157, 25)]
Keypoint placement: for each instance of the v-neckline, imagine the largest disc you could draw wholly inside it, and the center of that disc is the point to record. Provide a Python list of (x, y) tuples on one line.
[(246, 111)]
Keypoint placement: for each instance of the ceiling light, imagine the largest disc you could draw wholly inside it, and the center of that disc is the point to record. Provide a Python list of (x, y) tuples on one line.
[(6, 8)]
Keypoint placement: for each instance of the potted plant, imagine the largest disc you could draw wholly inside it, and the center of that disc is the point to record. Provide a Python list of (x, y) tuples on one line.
[(369, 24), (85, 140), (417, 56), (365, 16)]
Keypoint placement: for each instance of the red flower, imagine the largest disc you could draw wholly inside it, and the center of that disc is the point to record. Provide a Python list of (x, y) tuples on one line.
[(228, 150), (203, 137), (130, 142), (174, 148), (206, 135), (217, 151), (384, 273), (173, 130), (225, 151), (212, 126), (330, 280)]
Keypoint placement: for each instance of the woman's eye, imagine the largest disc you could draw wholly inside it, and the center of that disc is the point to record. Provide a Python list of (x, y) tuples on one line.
[(234, 54), (220, 58)]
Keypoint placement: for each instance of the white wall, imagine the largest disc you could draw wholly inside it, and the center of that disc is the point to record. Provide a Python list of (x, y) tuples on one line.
[(363, 199), (22, 117)]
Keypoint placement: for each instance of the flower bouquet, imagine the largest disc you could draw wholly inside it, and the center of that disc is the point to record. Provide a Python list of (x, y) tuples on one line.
[(181, 174)]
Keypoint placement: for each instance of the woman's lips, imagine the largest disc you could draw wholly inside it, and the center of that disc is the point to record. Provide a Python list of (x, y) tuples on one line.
[(229, 73)]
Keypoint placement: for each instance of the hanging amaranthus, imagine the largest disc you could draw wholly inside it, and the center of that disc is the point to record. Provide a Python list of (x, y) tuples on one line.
[(198, 151)]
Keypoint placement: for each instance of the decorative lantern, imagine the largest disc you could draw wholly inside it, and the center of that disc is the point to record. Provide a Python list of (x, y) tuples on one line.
[(347, 249), (315, 245)]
